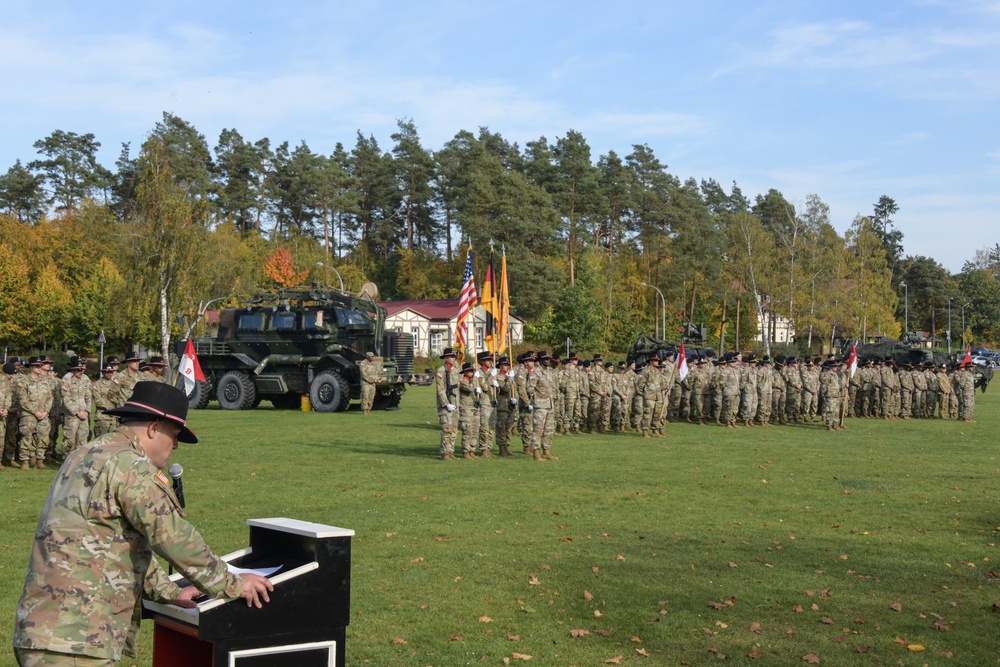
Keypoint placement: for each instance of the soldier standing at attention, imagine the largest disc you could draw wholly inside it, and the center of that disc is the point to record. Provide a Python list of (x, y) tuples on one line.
[(126, 380), (583, 405), (931, 399), (967, 384), (541, 392), (905, 392), (486, 379), (12, 370), (446, 382), (765, 381), (55, 417), (369, 378), (524, 420), (104, 392), (729, 382), (157, 370), (919, 392), (506, 405), (829, 387), (620, 399), (6, 400), (35, 395), (470, 398), (945, 396), (76, 406), (651, 389), (569, 388), (108, 510), (794, 386)]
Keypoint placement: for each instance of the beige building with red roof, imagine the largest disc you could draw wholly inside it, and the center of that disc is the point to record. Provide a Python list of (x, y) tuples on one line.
[(432, 324)]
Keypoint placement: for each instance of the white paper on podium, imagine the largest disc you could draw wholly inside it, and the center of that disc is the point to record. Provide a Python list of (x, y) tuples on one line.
[(262, 572)]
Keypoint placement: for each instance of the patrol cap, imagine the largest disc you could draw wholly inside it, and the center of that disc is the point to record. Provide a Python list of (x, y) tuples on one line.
[(609, 364), (156, 401), (449, 352), (468, 366), (77, 364), (9, 368)]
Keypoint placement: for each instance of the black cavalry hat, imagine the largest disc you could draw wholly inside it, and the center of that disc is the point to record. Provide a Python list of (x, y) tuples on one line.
[(449, 352), (468, 366), (158, 400)]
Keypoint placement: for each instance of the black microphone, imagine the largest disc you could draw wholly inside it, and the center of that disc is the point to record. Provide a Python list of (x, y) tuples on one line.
[(175, 471)]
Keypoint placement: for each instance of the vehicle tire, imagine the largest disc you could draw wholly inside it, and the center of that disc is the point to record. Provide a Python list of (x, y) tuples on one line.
[(329, 392), (236, 391), (387, 401), (202, 393), (287, 402)]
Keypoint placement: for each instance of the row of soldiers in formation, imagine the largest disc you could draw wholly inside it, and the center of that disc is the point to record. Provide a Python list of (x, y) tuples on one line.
[(541, 395), (34, 402)]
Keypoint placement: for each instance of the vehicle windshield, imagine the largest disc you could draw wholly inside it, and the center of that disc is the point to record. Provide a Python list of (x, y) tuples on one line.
[(347, 317)]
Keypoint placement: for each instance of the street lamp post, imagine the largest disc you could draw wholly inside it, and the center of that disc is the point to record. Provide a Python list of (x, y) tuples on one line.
[(949, 324), (906, 301), (663, 311), (335, 271), (964, 305)]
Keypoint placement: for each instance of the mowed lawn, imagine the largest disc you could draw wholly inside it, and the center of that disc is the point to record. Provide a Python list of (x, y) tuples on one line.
[(786, 545)]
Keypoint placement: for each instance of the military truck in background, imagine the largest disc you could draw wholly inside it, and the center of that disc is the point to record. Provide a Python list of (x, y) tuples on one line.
[(693, 337), (298, 341), (904, 353)]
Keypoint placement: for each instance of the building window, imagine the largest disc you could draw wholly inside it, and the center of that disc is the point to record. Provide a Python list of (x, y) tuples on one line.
[(416, 339), (437, 342), (479, 339)]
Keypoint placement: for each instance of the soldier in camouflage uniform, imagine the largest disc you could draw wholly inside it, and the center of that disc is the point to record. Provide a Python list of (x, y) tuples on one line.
[(945, 396), (609, 386), (890, 391), (506, 405), (729, 383), (635, 414), (126, 380), (829, 387), (931, 399), (906, 391), (35, 396), (765, 380), (6, 401), (446, 381), (369, 368), (11, 448), (55, 418), (542, 389), (583, 405), (793, 378), (107, 512), (488, 384), (75, 393), (569, 390), (619, 400), (104, 393), (748, 391), (967, 396), (653, 397), (526, 366), (469, 400), (598, 392), (919, 391), (158, 370)]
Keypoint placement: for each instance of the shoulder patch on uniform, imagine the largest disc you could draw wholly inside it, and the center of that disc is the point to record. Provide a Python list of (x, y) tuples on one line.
[(162, 479), (441, 374)]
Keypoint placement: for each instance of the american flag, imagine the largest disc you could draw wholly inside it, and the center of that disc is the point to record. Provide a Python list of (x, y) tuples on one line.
[(466, 303)]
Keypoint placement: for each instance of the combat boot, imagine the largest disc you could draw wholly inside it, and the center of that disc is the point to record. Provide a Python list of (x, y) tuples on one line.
[(549, 457), (527, 449), (25, 464), (537, 454), (645, 434), (487, 453), (40, 464), (505, 451), (469, 455)]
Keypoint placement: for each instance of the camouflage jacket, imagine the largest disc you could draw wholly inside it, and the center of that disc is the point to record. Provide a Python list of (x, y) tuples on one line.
[(105, 393), (507, 391), (446, 381), (6, 391), (541, 388), (944, 383), (125, 381), (729, 381), (469, 398), (369, 371), (36, 393), (108, 510), (76, 394), (829, 385)]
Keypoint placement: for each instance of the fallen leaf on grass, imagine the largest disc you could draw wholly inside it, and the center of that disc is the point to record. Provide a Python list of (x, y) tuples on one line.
[(534, 580), (418, 559), (797, 609), (826, 620), (398, 640), (642, 651), (520, 656), (596, 569), (755, 654), (814, 607), (945, 654), (513, 638), (579, 633), (896, 607), (915, 647), (485, 619), (543, 566), (755, 627), (940, 625), (811, 658), (722, 625), (587, 595), (458, 578), (719, 655), (864, 649), (617, 660), (619, 557), (597, 613), (389, 534), (567, 539), (455, 638), (716, 605), (732, 564)]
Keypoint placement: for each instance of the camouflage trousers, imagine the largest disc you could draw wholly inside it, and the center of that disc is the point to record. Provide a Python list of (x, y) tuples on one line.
[(487, 425), (30, 658), (10, 439), (697, 405), (716, 405), (635, 417), (809, 404), (764, 398), (543, 428), (76, 433), (944, 404), (906, 404), (596, 412), (779, 404), (468, 424), (524, 424), (367, 396), (34, 437), (449, 430), (583, 412), (652, 413), (967, 404), (831, 410), (730, 408), (674, 401), (606, 411), (918, 403), (853, 399), (748, 404), (930, 403), (571, 402), (505, 425)]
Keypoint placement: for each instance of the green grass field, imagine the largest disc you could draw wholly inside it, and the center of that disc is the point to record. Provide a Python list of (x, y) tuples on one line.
[(875, 545)]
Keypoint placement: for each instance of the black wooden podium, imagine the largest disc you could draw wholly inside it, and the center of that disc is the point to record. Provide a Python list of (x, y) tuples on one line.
[(303, 625)]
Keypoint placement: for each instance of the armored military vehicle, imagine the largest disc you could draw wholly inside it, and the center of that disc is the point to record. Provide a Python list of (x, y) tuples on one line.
[(297, 341), (693, 339), (902, 353)]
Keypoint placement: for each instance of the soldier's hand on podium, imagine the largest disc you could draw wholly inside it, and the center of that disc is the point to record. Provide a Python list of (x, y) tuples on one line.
[(187, 596), (255, 589)]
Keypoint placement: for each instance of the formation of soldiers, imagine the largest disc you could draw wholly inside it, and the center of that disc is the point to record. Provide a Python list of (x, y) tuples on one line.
[(35, 402), (541, 395)]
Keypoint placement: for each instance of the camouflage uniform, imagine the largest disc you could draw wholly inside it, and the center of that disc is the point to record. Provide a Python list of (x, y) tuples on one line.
[(11, 445), (6, 401), (598, 392), (75, 399), (748, 393), (55, 418), (524, 418), (729, 382), (489, 385), (699, 391), (104, 393), (446, 383), (945, 396), (506, 411), (35, 394), (919, 393), (370, 368), (635, 417), (829, 387), (794, 385), (653, 399), (905, 394), (779, 394), (107, 511), (765, 380), (468, 420), (542, 389), (931, 398), (125, 382), (583, 405), (967, 395), (890, 392), (609, 397)]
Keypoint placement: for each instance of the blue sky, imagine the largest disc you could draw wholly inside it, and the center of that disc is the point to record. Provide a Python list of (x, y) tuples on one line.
[(847, 100)]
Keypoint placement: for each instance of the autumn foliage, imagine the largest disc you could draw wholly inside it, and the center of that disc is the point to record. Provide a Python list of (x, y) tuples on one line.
[(280, 268)]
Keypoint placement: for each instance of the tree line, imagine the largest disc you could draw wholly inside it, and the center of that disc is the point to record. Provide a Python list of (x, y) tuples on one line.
[(141, 249)]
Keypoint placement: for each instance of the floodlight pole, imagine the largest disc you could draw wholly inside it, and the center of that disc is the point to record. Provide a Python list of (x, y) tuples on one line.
[(949, 324), (663, 311)]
